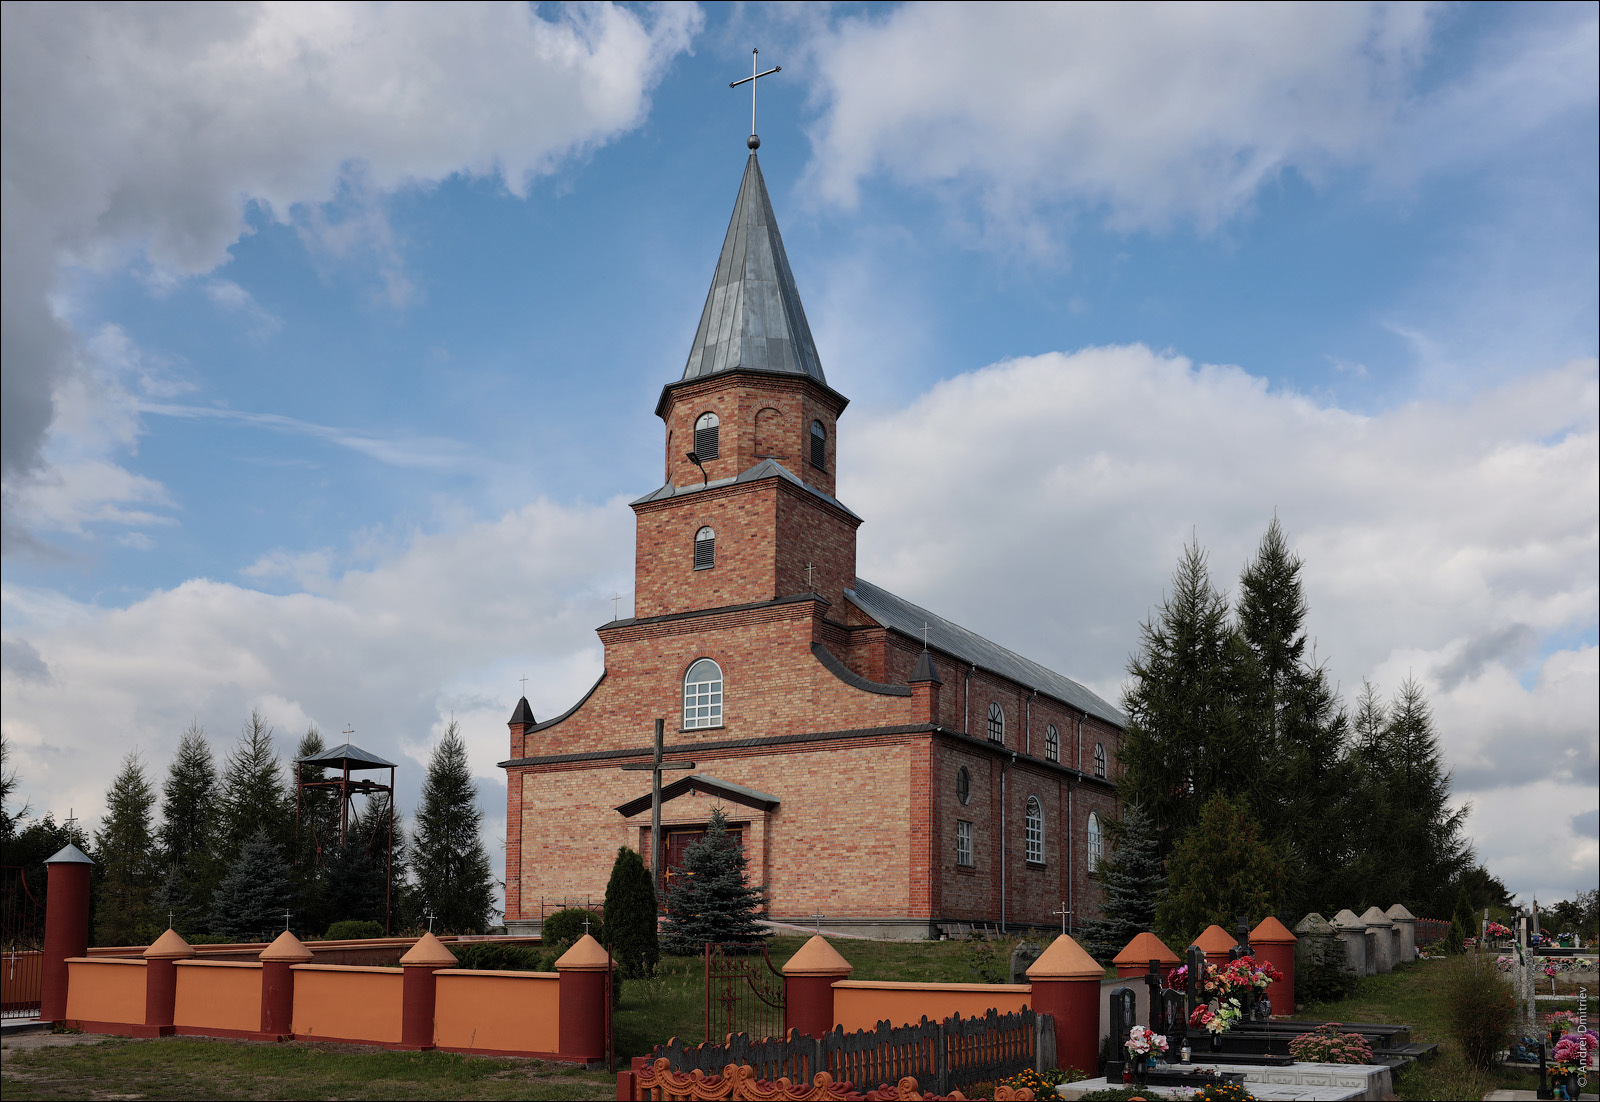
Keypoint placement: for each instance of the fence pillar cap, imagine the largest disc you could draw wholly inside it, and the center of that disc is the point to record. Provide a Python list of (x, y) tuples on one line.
[(1214, 939), (429, 951), (69, 854), (1399, 913), (1272, 932), (586, 955), (1145, 948), (1313, 925), (169, 946), (286, 948), (1064, 960), (818, 958), (1372, 916), (1347, 920)]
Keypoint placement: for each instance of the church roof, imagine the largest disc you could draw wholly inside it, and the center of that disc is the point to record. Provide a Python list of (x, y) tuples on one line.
[(767, 468), (953, 639), (753, 320), (711, 786)]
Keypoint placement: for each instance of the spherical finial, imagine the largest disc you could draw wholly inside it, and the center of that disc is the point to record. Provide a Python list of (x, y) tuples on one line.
[(753, 142)]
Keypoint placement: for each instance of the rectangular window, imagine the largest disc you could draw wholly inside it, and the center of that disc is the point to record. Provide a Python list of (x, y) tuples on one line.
[(963, 843)]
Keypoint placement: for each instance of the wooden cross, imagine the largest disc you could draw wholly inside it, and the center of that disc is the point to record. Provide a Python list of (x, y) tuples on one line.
[(751, 81), (655, 766), (1063, 912)]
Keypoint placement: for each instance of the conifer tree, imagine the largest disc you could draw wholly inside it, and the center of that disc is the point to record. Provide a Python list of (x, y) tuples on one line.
[(10, 821), (1132, 882), (450, 864), (372, 825), (1220, 870), (352, 884), (1425, 842), (1183, 740), (630, 915), (316, 840), (253, 896), (128, 869), (188, 833), (253, 797), (711, 900)]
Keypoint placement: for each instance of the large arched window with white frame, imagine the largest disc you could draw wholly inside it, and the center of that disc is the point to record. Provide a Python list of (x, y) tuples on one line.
[(702, 695), (997, 722), (1033, 831), (1096, 846)]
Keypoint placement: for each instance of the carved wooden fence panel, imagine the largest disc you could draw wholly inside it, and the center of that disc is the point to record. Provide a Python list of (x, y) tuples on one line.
[(659, 1083), (943, 1056)]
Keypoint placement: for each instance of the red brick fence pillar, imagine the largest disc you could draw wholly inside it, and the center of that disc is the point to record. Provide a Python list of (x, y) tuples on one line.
[(1273, 943), (419, 990), (161, 983), (277, 985), (808, 981), (1066, 985), (66, 927), (582, 1023)]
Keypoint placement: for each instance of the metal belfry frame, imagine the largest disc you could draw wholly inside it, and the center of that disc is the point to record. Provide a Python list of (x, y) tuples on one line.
[(348, 759)]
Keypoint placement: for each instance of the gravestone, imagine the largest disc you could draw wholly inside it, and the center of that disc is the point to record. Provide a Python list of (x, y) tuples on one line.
[(1241, 944), (1158, 1006), (1022, 956), (1353, 932), (1124, 1016), (1177, 1024), (1195, 989)]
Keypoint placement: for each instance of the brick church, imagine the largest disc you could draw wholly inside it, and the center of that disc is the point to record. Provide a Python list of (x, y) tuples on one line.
[(885, 767)]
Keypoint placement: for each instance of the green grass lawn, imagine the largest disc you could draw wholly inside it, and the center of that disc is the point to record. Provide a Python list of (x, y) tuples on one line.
[(1413, 994), (202, 1068)]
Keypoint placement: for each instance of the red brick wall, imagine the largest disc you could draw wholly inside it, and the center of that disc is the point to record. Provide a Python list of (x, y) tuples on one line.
[(737, 400)]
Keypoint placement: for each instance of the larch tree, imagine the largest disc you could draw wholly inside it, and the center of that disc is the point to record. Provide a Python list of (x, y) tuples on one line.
[(449, 862), (1426, 839), (129, 871)]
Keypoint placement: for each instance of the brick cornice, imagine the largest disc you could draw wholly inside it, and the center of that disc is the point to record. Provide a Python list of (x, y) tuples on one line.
[(791, 607), (803, 493), (645, 752), (775, 381)]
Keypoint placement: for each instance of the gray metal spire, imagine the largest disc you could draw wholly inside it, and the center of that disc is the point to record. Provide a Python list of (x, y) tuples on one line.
[(753, 320)]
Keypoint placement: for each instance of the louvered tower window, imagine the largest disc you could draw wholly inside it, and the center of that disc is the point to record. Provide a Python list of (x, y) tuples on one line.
[(1052, 743), (705, 549), (1096, 848), (1099, 759), (819, 445), (702, 695), (997, 723), (705, 437), (1033, 831)]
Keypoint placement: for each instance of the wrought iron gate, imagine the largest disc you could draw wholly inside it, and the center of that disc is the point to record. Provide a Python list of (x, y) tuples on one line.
[(21, 945), (744, 992)]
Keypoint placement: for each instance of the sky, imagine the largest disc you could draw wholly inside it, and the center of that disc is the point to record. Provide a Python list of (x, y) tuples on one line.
[(332, 336)]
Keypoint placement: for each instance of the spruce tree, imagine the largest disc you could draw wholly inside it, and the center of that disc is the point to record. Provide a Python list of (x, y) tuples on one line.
[(352, 885), (1183, 739), (253, 896), (316, 839), (128, 870), (1425, 840), (188, 833), (1132, 882), (630, 915), (372, 825), (1220, 870), (711, 900), (253, 796), (450, 864)]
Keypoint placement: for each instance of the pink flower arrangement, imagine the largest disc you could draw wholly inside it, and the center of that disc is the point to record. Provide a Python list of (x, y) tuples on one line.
[(1575, 1051), (1143, 1042), (1326, 1045), (1494, 929)]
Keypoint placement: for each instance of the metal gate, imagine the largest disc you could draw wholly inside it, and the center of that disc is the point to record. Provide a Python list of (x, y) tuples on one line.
[(21, 945), (744, 992)]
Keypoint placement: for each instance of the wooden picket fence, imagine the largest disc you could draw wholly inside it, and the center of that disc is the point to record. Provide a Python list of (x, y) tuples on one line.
[(944, 1055), (739, 1083)]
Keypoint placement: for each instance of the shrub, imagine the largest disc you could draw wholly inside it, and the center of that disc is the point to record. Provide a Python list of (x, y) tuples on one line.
[(1479, 1008), (1326, 1045), (1321, 977), (1223, 1092), (490, 956), (631, 915), (566, 926), (354, 929)]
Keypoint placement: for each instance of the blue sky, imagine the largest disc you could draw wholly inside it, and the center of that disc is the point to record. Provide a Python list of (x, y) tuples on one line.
[(354, 373)]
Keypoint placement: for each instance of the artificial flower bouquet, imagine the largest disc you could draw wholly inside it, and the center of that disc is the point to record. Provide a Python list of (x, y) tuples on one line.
[(1144, 1042)]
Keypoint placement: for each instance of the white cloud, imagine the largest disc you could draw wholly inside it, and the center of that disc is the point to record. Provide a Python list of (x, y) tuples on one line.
[(183, 116), (1042, 501)]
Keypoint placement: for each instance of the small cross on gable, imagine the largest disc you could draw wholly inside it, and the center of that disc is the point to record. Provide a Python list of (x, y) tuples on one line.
[(818, 916)]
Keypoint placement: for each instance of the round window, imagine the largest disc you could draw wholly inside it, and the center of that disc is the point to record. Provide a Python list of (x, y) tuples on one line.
[(963, 785)]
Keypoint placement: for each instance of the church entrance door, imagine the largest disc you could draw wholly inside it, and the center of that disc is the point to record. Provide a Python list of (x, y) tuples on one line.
[(676, 849)]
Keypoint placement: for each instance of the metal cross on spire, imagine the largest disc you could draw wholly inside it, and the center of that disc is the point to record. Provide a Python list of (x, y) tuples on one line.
[(524, 681), (754, 142)]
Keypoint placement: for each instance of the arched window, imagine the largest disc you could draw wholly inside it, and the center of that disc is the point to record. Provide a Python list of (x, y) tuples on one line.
[(702, 695), (1095, 848), (1052, 743), (963, 785), (997, 723), (1033, 831), (705, 549), (1099, 759), (819, 445), (705, 436)]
